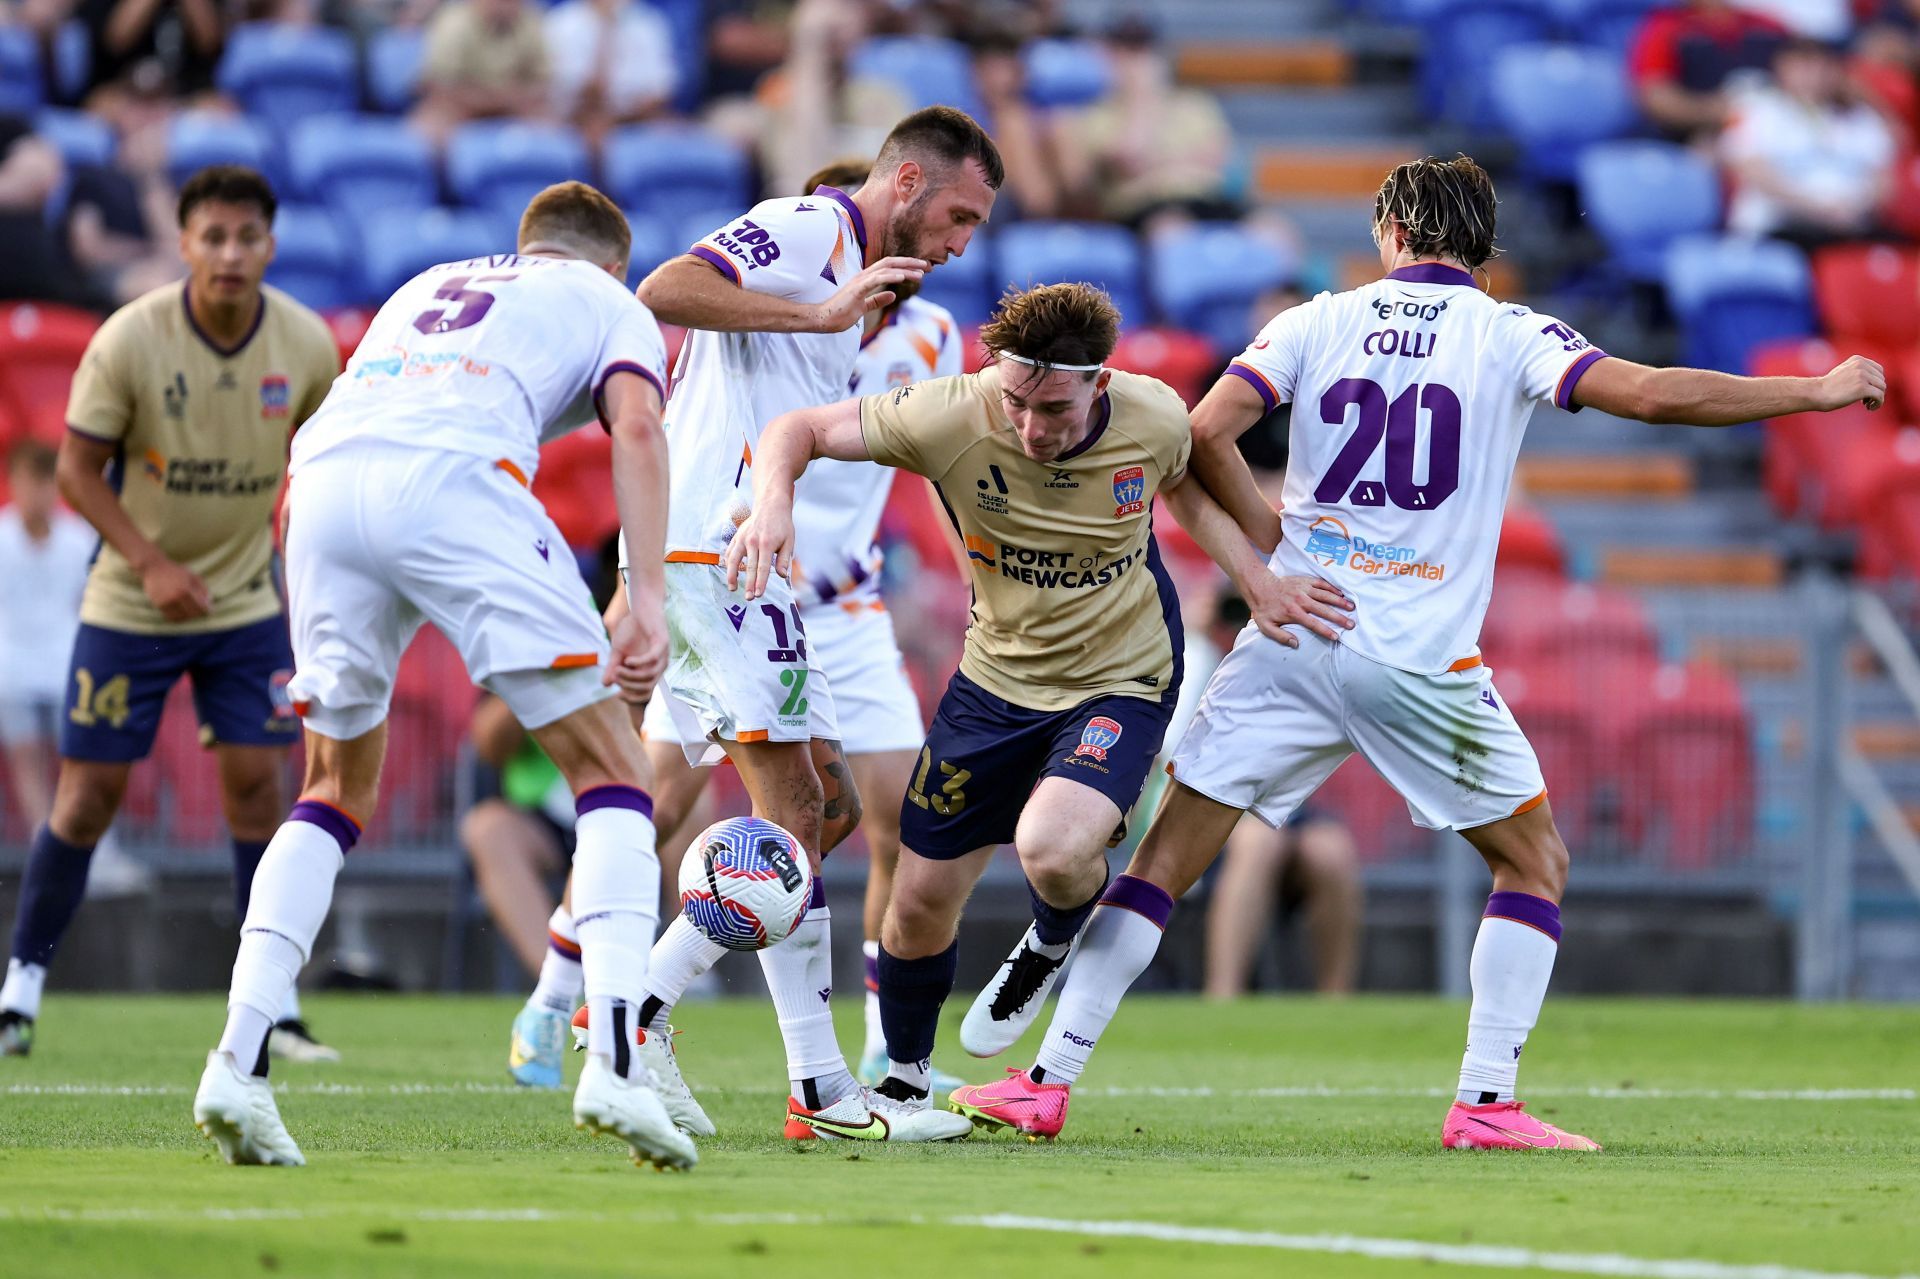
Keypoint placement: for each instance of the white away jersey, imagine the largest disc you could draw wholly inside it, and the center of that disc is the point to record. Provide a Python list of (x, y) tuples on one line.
[(1410, 395), (837, 505), (727, 386), (492, 356)]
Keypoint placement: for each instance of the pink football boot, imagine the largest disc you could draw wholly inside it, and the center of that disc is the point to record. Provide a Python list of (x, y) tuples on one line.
[(1506, 1125), (1016, 1102)]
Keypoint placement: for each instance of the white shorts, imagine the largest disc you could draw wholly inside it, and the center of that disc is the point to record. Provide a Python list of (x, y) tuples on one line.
[(1275, 722), (743, 668), (382, 537)]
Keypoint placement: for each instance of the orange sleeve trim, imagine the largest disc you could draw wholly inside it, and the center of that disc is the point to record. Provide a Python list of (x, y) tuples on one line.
[(574, 661), (504, 465), (751, 735), (926, 349), (1465, 664), (1530, 805), (692, 557), (357, 823)]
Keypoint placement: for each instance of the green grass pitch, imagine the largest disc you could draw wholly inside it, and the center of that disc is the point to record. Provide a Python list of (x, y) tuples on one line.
[(1269, 1136)]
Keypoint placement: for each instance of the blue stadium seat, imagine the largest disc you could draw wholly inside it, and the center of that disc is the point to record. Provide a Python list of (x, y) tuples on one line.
[(22, 87), (928, 70), (670, 171), (1058, 252), (312, 259), (81, 138), (689, 229), (1642, 196), (1205, 277), (653, 243), (393, 67), (501, 165), (966, 285), (399, 245), (1065, 73), (1610, 25), (1733, 294), (360, 165), (687, 25), (1463, 38), (72, 60), (197, 139), (283, 73), (1556, 99)]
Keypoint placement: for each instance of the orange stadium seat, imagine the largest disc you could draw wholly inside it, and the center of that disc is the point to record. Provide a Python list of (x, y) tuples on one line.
[(40, 347)]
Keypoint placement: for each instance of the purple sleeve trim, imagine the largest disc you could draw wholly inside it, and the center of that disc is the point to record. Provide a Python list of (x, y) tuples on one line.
[(817, 896), (345, 831), (1148, 900), (717, 261), (1525, 908), (613, 795), (85, 434), (621, 366), (1258, 383), (1563, 394)]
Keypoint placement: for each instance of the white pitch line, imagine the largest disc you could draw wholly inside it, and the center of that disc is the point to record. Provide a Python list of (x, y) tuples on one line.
[(1485, 1256)]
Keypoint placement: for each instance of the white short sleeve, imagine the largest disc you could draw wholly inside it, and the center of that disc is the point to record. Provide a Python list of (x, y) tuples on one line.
[(781, 247), (1273, 360), (1547, 355), (633, 344)]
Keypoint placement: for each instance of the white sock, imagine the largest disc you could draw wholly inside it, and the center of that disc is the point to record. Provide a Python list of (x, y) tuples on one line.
[(560, 978), (290, 1006), (292, 890), (24, 985), (1119, 942), (1510, 967), (682, 953), (616, 891), (799, 973), (876, 1037)]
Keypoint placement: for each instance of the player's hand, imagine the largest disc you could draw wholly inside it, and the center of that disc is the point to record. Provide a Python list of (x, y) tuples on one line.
[(761, 546), (1856, 380), (176, 591), (866, 292), (1312, 602), (639, 657)]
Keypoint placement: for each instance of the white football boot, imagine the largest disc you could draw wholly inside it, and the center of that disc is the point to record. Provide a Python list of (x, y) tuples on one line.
[(657, 1055), (237, 1110), (867, 1115), (1012, 1000), (631, 1111)]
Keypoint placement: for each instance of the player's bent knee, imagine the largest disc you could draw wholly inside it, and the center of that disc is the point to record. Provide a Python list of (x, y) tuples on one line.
[(85, 800)]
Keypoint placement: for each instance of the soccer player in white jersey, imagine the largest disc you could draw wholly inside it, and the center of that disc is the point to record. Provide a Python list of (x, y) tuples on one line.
[(409, 503), (1411, 395), (773, 301)]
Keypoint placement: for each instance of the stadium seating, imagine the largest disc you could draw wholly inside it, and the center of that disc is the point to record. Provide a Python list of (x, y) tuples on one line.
[(1688, 759), (1358, 796), (40, 346), (22, 87), (1890, 541), (1733, 294), (1184, 361), (361, 165), (575, 484), (1546, 698), (283, 73), (1555, 100), (653, 243), (1533, 618), (312, 259), (1206, 276), (1868, 297), (1065, 73), (1529, 543), (1642, 196), (1054, 252), (966, 285), (393, 67), (401, 244), (1463, 40), (500, 165), (197, 139), (925, 69), (671, 171), (80, 138)]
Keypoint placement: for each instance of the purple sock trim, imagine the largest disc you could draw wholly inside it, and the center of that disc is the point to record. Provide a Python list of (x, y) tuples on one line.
[(1525, 908), (345, 831), (873, 971), (1148, 900), (818, 896), (613, 795)]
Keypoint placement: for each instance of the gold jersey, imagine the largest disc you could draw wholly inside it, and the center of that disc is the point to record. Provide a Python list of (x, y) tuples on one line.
[(1070, 599), (202, 436)]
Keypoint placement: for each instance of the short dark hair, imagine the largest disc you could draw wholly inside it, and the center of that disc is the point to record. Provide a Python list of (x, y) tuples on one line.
[(229, 184), (34, 457), (579, 217), (842, 175), (1054, 324), (1446, 208), (940, 138)]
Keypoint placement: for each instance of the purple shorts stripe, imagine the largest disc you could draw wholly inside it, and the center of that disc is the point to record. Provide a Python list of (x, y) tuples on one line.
[(718, 261), (1148, 900), (1258, 383), (613, 795), (1563, 394), (1525, 908), (345, 831), (818, 897)]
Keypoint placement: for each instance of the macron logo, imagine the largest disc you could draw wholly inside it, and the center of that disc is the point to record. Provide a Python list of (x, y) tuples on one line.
[(826, 995), (541, 546), (736, 614), (1075, 1040)]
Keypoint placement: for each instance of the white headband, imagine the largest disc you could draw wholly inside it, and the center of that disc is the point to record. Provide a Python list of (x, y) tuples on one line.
[(1049, 364)]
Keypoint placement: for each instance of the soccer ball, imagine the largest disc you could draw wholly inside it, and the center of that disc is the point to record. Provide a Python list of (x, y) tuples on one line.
[(745, 883)]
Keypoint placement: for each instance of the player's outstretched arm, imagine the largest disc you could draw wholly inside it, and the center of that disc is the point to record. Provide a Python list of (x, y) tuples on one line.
[(688, 292), (763, 544), (1701, 397), (1276, 602), (1218, 423), (175, 590), (640, 493)]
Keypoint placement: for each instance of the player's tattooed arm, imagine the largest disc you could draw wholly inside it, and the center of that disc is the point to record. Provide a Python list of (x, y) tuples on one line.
[(1701, 397), (763, 544), (1219, 420), (841, 810)]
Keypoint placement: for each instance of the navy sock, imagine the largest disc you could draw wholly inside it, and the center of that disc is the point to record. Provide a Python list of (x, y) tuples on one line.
[(246, 860), (911, 992), (1057, 926), (50, 893)]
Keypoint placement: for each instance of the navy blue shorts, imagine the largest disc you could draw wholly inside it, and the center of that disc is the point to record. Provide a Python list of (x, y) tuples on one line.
[(984, 755), (118, 683)]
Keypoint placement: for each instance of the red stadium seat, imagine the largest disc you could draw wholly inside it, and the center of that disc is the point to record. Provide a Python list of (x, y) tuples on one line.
[(1529, 542), (1869, 293), (1550, 701), (1689, 757), (1890, 542), (40, 347), (575, 482), (1184, 361), (1533, 618), (913, 517), (349, 325), (1358, 796)]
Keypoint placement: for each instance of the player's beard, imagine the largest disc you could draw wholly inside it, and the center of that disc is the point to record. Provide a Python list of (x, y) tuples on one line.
[(903, 238)]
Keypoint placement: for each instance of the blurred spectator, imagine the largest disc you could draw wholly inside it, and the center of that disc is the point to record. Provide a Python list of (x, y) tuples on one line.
[(1149, 146), (1026, 148), (106, 230), (152, 49), (811, 111), (612, 63), (1810, 161), (1683, 56), (1821, 19), (44, 553), (31, 173), (484, 58), (745, 40)]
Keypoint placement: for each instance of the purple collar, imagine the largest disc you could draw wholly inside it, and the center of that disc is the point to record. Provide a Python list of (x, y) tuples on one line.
[(225, 353), (853, 212), (1099, 428), (1434, 273)]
